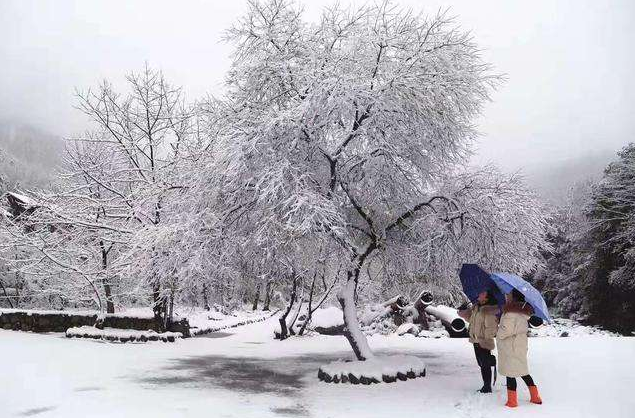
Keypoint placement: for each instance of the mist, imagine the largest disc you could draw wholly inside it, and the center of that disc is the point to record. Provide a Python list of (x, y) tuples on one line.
[(567, 65)]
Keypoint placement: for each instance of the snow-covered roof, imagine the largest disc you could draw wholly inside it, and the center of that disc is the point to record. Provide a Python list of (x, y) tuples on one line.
[(24, 200)]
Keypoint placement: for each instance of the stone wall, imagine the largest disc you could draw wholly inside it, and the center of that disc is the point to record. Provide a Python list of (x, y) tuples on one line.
[(51, 321)]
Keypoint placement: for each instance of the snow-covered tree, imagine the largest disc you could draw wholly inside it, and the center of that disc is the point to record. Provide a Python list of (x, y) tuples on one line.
[(352, 131), (115, 180), (607, 265)]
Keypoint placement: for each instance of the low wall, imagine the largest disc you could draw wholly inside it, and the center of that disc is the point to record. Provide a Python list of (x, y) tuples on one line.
[(54, 321)]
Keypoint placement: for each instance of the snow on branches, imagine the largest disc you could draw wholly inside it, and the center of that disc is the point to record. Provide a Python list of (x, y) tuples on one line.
[(352, 131)]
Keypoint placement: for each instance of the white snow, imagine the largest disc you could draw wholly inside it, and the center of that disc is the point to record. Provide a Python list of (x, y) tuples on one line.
[(405, 328), (203, 322), (247, 374), (567, 328), (327, 317)]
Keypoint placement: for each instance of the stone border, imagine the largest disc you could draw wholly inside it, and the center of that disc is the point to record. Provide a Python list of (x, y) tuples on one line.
[(202, 331), (60, 321), (355, 380), (122, 336), (376, 369)]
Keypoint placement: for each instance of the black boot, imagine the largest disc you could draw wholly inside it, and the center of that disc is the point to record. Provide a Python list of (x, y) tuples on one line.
[(486, 374), (493, 363)]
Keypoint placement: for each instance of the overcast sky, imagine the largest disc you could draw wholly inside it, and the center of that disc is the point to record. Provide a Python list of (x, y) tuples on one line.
[(570, 65)]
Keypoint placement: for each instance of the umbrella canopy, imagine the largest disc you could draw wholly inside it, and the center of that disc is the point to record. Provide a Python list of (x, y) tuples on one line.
[(475, 280), (506, 282)]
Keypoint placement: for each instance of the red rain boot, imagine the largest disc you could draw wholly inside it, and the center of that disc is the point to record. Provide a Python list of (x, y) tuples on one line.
[(512, 398), (535, 396)]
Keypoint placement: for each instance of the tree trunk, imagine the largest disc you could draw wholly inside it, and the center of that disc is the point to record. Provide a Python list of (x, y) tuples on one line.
[(170, 315), (158, 304), (309, 311), (110, 306), (284, 331), (267, 296), (256, 298), (6, 295), (295, 318), (353, 332), (205, 300)]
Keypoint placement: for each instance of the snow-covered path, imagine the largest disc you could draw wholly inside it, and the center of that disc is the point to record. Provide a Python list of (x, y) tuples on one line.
[(247, 374)]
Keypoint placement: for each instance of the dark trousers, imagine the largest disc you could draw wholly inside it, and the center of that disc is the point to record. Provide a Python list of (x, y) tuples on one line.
[(511, 382), (486, 361)]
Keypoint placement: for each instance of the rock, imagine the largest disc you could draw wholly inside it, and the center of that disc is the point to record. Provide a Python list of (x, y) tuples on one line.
[(327, 377), (344, 378), (401, 376), (410, 374), (564, 334), (353, 379), (364, 380), (389, 379), (336, 378)]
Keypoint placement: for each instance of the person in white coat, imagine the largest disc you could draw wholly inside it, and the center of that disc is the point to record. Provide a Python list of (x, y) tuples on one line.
[(511, 340)]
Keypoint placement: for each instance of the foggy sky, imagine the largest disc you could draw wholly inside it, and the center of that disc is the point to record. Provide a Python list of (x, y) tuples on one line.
[(569, 64)]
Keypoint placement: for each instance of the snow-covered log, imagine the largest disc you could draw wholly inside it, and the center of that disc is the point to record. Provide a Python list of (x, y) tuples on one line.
[(448, 317), (535, 322), (425, 298)]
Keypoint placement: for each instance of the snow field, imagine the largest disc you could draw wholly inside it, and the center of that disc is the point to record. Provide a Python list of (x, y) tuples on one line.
[(248, 374)]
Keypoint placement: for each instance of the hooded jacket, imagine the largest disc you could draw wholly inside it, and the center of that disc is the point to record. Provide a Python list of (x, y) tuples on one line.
[(483, 324), (511, 340)]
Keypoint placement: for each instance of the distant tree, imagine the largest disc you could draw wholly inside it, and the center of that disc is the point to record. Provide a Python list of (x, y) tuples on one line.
[(558, 276), (608, 273), (114, 183)]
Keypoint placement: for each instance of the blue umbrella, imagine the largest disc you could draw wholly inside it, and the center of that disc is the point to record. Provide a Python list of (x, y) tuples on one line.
[(475, 280), (506, 282)]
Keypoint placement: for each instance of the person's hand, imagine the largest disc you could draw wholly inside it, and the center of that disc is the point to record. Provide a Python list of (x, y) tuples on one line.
[(464, 306)]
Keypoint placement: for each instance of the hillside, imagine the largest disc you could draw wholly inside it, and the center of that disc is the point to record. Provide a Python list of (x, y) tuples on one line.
[(28, 156)]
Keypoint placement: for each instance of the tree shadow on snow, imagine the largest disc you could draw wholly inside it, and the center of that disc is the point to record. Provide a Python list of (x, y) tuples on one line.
[(284, 376), (253, 375)]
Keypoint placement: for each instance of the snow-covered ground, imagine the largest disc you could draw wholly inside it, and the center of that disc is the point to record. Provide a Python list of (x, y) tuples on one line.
[(242, 372)]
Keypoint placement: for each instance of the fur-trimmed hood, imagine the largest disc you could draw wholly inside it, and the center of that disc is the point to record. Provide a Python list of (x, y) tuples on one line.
[(518, 307)]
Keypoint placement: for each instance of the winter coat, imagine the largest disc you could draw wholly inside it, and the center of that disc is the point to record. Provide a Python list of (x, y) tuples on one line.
[(511, 340), (483, 324)]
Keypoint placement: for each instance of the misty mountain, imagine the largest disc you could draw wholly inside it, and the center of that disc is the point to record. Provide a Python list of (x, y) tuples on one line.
[(29, 156), (553, 180)]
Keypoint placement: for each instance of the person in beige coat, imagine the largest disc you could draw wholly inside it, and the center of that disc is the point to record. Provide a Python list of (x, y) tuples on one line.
[(483, 321), (511, 340)]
